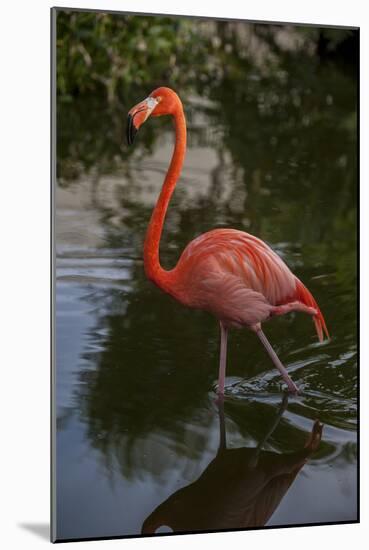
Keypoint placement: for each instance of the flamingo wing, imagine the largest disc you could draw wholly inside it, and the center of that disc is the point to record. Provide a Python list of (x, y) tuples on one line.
[(226, 270)]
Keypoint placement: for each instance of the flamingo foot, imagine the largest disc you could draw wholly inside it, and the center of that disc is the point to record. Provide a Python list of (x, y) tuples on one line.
[(315, 436), (293, 306)]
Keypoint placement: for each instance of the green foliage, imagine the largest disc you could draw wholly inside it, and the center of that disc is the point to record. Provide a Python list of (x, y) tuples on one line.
[(109, 54), (271, 79)]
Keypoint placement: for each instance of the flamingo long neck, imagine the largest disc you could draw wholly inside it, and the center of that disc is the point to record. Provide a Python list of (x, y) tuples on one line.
[(153, 269)]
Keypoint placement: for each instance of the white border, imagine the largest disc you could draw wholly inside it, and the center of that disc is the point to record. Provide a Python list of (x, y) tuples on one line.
[(25, 351)]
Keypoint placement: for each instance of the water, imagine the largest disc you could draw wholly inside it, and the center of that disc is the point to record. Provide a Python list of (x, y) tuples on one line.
[(137, 418)]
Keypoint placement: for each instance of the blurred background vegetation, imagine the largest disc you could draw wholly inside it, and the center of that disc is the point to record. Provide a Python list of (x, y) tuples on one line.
[(109, 54), (261, 73)]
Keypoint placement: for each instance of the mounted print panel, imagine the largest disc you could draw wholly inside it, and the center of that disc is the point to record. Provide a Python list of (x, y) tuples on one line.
[(204, 230)]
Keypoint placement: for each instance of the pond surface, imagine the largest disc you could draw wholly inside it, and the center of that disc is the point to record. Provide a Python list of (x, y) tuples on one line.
[(142, 445)]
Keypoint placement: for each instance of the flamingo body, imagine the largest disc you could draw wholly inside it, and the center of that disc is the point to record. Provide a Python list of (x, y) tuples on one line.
[(239, 279), (229, 273)]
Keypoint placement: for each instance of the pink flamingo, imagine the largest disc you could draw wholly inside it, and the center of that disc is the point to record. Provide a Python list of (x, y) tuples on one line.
[(229, 273)]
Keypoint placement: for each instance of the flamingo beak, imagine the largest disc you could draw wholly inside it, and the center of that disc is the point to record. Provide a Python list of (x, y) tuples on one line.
[(137, 116)]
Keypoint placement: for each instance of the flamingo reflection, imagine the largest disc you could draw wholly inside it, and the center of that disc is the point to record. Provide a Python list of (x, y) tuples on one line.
[(240, 488)]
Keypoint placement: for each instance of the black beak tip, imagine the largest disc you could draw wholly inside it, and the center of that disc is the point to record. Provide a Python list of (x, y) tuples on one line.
[(131, 130)]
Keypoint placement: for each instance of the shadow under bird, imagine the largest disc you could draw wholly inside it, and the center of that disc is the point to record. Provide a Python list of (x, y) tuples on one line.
[(240, 488), (229, 273)]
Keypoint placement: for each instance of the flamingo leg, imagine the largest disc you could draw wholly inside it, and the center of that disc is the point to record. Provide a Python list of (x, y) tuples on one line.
[(274, 357), (223, 358)]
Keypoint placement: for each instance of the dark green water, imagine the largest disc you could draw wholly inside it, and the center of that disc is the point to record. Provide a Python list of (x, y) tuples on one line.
[(137, 416)]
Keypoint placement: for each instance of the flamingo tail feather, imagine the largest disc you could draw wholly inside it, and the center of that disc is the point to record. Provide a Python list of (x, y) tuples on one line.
[(304, 296)]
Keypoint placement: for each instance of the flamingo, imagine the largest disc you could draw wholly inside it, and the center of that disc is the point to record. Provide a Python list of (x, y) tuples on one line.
[(231, 274)]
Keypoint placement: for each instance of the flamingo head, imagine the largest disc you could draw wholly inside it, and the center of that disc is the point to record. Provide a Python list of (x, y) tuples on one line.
[(162, 101)]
